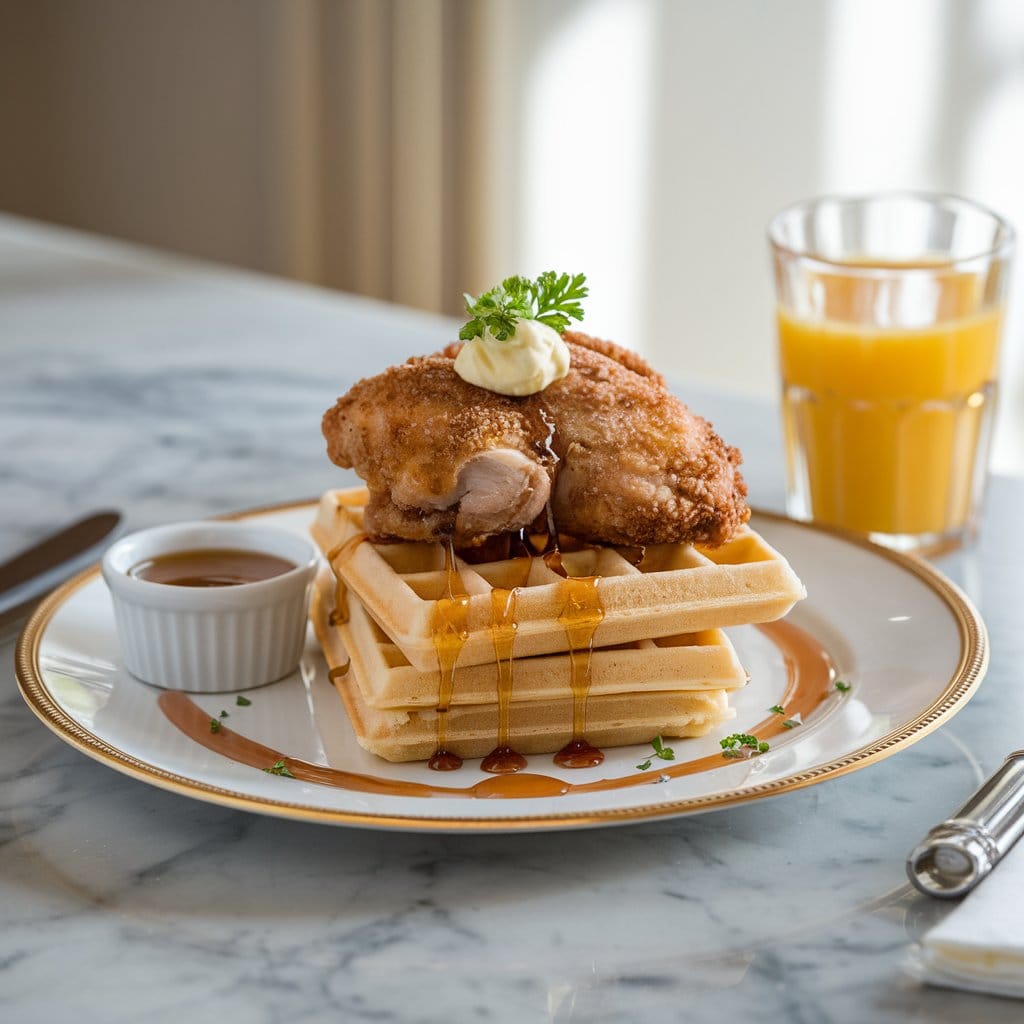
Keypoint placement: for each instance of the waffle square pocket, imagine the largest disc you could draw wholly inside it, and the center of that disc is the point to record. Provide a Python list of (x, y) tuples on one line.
[(673, 589)]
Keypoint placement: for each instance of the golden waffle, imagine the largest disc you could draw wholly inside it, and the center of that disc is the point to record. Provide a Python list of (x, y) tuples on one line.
[(536, 725), (694, 661), (674, 589)]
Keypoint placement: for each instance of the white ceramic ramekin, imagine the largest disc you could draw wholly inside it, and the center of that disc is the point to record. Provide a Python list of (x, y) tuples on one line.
[(210, 639)]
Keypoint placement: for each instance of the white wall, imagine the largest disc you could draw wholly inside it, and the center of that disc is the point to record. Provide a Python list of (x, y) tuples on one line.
[(687, 124)]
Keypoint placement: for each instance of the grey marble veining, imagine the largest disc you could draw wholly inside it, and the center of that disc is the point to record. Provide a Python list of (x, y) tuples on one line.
[(172, 390)]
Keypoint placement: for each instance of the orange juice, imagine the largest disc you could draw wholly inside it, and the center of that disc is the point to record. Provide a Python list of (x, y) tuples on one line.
[(886, 426)]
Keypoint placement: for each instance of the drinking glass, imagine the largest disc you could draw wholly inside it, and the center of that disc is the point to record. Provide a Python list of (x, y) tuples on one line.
[(889, 312)]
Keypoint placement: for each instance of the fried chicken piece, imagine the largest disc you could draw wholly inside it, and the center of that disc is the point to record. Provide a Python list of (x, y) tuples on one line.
[(621, 460), (440, 456)]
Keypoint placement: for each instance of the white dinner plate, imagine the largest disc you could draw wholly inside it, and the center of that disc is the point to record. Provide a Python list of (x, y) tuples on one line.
[(908, 643)]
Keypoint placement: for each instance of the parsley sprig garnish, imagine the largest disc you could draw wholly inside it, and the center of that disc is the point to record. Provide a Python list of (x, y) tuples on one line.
[(660, 750), (279, 768), (743, 744), (214, 725), (553, 299), (842, 687), (242, 702)]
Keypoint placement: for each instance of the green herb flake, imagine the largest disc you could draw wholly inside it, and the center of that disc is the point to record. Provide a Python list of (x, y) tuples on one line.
[(790, 723), (214, 725), (777, 709), (739, 739), (743, 744), (242, 702), (842, 687), (279, 768), (660, 750), (224, 714), (553, 299)]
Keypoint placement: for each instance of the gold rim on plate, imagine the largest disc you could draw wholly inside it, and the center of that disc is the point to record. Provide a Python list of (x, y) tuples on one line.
[(964, 681)]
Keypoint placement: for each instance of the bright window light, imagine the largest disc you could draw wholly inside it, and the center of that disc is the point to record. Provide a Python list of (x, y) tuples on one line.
[(993, 155), (584, 158), (886, 61)]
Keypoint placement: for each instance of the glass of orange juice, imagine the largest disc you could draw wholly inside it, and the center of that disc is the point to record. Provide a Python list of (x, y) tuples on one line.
[(889, 314)]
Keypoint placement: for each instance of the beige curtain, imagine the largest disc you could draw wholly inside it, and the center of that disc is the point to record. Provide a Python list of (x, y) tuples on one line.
[(413, 158), (353, 143)]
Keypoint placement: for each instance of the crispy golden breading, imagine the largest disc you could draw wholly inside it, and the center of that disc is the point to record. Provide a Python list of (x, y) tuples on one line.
[(620, 458)]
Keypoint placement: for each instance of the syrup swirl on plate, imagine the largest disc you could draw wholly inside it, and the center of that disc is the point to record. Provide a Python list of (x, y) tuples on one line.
[(810, 676)]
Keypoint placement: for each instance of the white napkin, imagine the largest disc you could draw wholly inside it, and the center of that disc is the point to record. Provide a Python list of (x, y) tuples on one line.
[(980, 945)]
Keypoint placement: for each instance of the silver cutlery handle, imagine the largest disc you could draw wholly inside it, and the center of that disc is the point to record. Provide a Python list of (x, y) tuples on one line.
[(956, 855)]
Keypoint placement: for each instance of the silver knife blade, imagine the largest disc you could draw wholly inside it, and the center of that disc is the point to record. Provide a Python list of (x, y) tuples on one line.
[(53, 551)]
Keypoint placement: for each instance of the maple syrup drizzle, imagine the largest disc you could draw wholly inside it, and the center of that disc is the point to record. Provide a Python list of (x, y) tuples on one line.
[(450, 634), (580, 617), (520, 547), (340, 553), (633, 553), (503, 759), (811, 675)]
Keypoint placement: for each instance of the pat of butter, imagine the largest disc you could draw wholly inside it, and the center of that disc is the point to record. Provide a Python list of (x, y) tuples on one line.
[(527, 362)]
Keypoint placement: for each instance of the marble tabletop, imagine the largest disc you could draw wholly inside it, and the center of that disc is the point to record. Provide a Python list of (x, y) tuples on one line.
[(172, 389)]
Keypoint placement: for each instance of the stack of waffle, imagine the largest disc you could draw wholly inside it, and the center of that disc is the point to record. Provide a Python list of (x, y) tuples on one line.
[(660, 663)]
